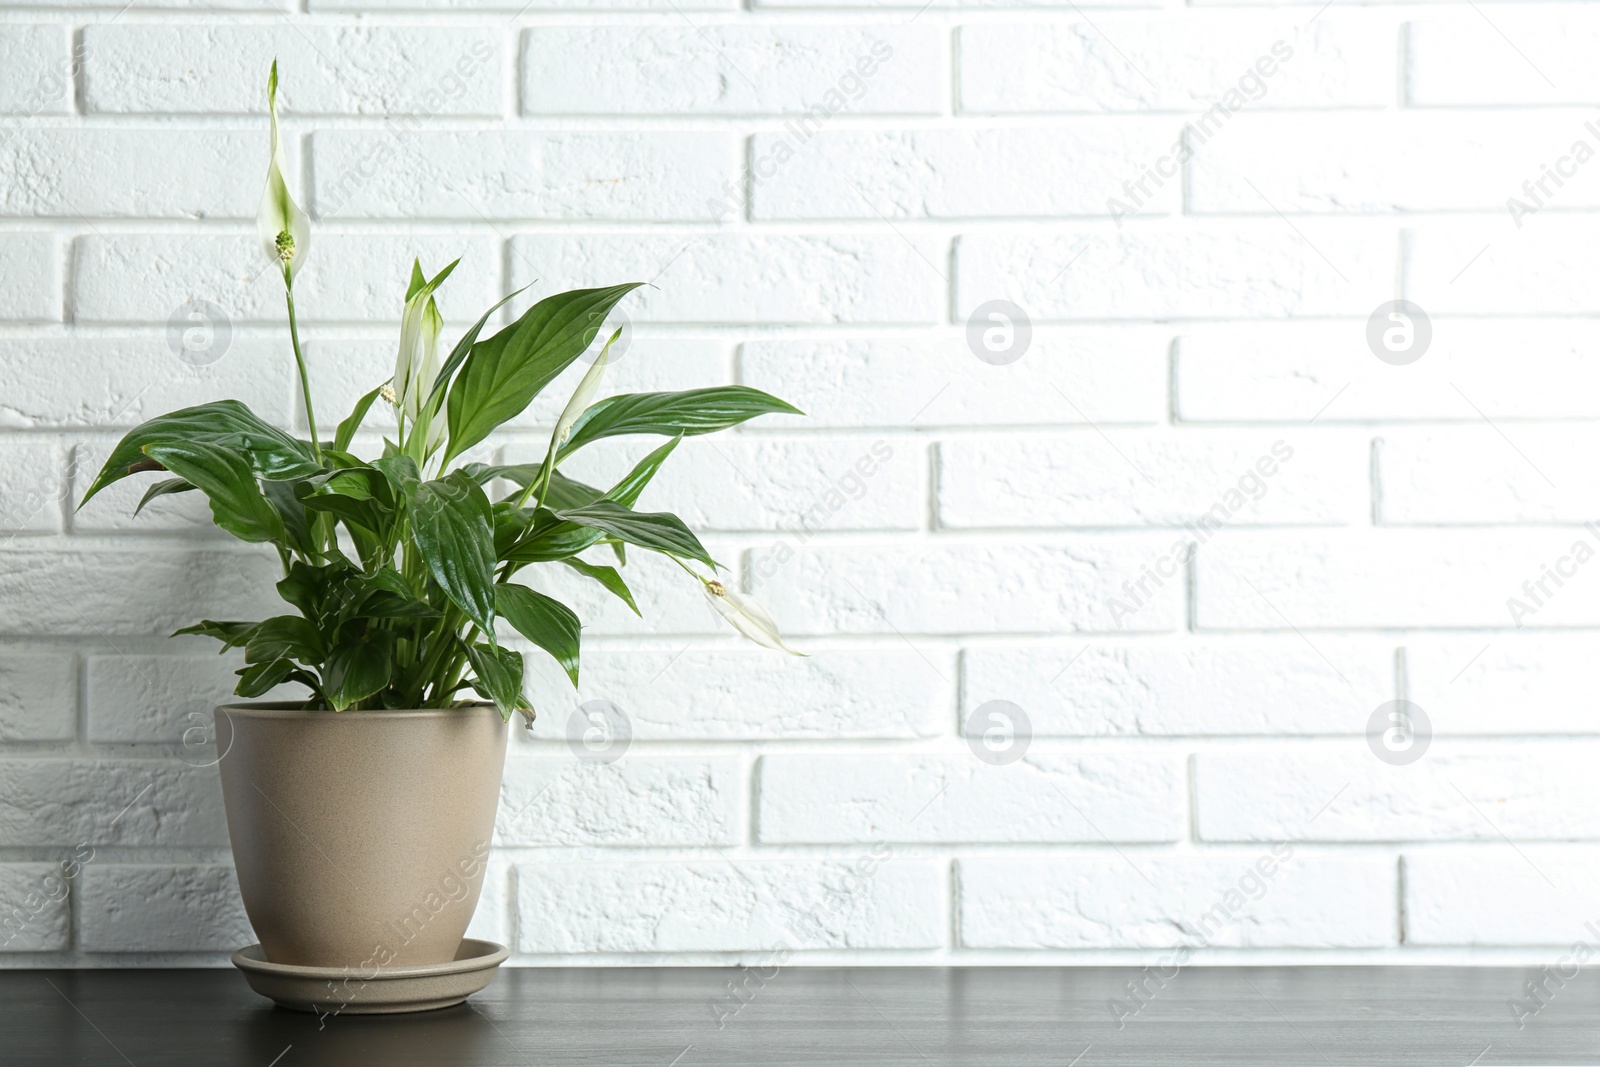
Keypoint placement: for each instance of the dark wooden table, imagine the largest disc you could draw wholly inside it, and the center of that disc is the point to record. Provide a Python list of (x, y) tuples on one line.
[(1278, 1016)]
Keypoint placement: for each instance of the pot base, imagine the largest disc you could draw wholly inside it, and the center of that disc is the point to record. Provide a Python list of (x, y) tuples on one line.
[(345, 991)]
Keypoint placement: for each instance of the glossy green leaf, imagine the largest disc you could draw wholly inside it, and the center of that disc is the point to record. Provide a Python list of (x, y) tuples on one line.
[(660, 531), (546, 622), (347, 429), (228, 482), (360, 666), (502, 375), (165, 487), (696, 411), (270, 452), (454, 531), (499, 676), (608, 577), (231, 634), (284, 637)]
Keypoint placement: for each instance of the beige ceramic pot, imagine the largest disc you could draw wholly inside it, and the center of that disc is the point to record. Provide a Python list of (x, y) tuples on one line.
[(360, 837)]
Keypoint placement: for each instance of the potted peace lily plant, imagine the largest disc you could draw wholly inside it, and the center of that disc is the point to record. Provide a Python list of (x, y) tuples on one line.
[(360, 814)]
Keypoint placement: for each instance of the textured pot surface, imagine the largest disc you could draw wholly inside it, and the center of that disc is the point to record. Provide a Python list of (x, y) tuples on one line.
[(360, 837)]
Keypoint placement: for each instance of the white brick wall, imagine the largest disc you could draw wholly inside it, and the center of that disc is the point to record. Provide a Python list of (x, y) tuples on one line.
[(1199, 533)]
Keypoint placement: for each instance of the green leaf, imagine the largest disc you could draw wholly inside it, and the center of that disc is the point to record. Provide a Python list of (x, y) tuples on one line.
[(165, 487), (608, 577), (689, 413), (454, 531), (231, 634), (284, 637), (296, 527), (463, 348), (502, 375), (401, 471), (628, 490), (548, 539), (660, 531), (347, 429), (227, 480), (499, 676), (258, 678), (270, 452), (546, 622), (360, 666)]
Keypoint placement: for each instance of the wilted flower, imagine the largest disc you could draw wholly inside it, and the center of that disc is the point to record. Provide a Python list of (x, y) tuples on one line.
[(747, 616), (584, 394), (284, 229)]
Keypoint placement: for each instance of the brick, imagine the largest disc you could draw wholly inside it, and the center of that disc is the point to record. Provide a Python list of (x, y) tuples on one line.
[(1044, 797), (208, 69), (799, 484), (138, 908), (935, 380), (1393, 578), (725, 279), (1500, 684), (515, 7), (31, 489), (1372, 164), (1010, 588), (119, 382), (56, 801), (1208, 687), (38, 696), (732, 904), (1175, 61), (1473, 475), (1297, 373), (78, 173), (30, 278), (1483, 896), (165, 699), (636, 800), (1144, 479), (965, 173), (34, 912), (1454, 792), (1535, 270), (39, 63), (1099, 901), (739, 694), (1454, 61), (347, 277), (110, 591), (404, 174), (1247, 269), (725, 69)]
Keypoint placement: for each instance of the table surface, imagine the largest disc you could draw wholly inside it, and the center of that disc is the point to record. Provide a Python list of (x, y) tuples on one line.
[(687, 1017)]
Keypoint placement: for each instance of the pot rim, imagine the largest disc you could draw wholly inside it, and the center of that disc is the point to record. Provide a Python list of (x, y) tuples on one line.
[(291, 709)]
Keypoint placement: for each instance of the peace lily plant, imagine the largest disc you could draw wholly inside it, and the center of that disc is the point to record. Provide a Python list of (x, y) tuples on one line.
[(398, 568)]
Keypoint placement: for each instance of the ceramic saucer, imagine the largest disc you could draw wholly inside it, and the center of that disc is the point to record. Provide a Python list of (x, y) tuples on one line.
[(349, 991)]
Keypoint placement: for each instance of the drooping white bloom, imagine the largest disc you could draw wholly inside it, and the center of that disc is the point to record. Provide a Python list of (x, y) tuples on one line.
[(583, 395), (284, 229), (747, 616)]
